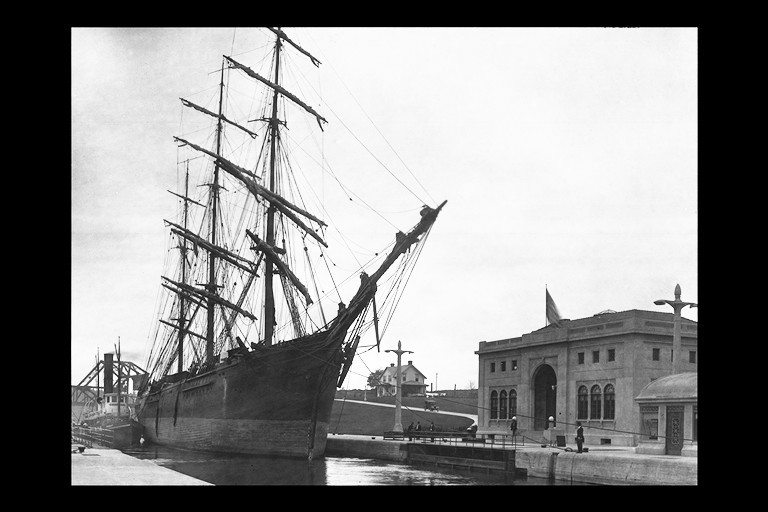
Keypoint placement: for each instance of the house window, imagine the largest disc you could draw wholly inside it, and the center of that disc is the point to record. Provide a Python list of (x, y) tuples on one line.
[(417, 378), (493, 367), (595, 400), (609, 402), (595, 356), (692, 356), (611, 354), (513, 403), (494, 405), (514, 365), (503, 405), (583, 403), (656, 354), (581, 357), (503, 366)]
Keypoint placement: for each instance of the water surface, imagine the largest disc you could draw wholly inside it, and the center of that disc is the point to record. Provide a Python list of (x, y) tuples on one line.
[(227, 469)]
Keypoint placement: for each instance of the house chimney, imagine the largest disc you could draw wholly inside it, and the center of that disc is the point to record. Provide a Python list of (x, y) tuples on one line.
[(108, 386), (391, 364), (410, 363)]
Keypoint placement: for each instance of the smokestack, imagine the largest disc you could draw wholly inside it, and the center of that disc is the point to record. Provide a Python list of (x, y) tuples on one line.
[(108, 386)]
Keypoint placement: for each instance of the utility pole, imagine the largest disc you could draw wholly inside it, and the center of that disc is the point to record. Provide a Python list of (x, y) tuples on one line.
[(118, 376), (677, 342), (398, 413)]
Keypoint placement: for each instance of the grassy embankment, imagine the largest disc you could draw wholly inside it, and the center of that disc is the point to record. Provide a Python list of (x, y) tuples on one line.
[(355, 418), (447, 403)]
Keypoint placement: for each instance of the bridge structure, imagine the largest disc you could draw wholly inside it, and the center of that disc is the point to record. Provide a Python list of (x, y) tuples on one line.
[(109, 376)]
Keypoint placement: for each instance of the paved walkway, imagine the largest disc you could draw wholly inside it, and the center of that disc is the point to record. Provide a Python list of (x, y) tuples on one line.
[(102, 466), (473, 417)]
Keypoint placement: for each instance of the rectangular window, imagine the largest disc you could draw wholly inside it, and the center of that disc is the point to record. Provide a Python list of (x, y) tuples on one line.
[(514, 365), (493, 367), (595, 356), (611, 354), (649, 422), (503, 366), (581, 357), (656, 354), (692, 356)]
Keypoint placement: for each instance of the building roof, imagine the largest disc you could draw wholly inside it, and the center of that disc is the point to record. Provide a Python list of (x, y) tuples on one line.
[(392, 370), (605, 323), (675, 387), (609, 314)]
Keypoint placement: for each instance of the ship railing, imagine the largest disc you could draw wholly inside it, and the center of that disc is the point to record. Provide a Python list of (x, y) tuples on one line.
[(93, 436), (495, 441)]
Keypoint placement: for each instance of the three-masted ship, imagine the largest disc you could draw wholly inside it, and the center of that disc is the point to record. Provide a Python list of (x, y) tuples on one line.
[(223, 378)]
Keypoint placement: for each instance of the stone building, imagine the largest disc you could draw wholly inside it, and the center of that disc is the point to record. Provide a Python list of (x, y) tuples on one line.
[(670, 402), (588, 369)]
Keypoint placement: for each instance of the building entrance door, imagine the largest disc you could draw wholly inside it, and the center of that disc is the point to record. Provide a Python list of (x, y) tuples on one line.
[(674, 430), (544, 396)]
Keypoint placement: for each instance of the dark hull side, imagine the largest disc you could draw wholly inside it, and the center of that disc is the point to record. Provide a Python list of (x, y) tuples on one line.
[(261, 403)]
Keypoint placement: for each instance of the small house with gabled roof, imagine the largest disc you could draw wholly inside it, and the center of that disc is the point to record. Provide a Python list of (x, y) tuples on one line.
[(413, 382)]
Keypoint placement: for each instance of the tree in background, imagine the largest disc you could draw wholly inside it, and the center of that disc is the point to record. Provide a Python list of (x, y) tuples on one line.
[(374, 379)]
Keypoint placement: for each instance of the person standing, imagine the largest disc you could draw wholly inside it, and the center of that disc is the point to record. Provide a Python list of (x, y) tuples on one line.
[(410, 432), (579, 436), (513, 427), (432, 428)]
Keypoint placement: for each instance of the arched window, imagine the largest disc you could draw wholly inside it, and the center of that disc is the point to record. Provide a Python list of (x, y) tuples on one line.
[(494, 405), (503, 405), (512, 403), (595, 402), (609, 402), (583, 403)]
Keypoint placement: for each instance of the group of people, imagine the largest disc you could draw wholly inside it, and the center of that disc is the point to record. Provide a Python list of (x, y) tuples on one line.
[(551, 421), (411, 429)]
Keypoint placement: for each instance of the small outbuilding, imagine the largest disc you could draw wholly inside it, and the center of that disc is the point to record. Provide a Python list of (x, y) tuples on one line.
[(670, 402)]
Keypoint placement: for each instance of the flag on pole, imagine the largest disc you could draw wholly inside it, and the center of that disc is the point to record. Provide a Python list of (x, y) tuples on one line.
[(553, 315)]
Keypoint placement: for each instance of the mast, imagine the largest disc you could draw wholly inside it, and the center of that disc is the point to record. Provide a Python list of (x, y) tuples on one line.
[(269, 298), (182, 312), (211, 286)]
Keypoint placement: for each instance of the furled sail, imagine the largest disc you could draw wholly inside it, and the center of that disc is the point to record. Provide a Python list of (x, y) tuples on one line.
[(271, 255), (221, 252), (188, 103), (279, 33), (277, 201), (209, 295), (248, 71)]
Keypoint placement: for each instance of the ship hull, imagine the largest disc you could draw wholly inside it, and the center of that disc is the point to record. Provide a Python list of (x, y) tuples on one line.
[(272, 401)]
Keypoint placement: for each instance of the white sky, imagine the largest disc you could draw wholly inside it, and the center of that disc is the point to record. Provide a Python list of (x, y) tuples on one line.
[(567, 156)]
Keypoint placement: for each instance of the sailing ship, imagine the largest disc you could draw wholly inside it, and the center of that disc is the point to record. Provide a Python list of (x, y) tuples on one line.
[(210, 388)]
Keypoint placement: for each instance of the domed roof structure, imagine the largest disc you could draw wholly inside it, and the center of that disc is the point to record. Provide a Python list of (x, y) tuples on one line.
[(672, 388)]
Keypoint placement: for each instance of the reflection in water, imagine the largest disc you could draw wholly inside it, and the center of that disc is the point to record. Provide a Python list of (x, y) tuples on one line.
[(229, 469)]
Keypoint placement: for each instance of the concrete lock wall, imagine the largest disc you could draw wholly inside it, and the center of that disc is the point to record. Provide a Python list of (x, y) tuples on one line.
[(616, 469), (366, 448)]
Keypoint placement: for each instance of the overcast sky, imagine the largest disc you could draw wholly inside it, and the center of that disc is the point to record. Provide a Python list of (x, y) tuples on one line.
[(568, 158)]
